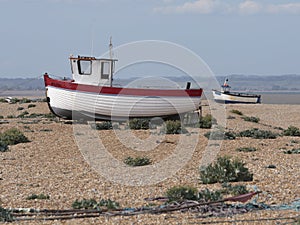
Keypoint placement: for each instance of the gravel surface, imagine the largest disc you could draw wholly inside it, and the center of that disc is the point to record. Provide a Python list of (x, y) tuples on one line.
[(54, 163)]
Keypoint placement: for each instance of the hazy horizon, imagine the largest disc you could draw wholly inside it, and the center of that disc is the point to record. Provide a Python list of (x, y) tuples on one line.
[(128, 76), (165, 76)]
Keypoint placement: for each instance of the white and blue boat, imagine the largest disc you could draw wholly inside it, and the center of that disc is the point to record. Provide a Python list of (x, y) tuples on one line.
[(229, 97)]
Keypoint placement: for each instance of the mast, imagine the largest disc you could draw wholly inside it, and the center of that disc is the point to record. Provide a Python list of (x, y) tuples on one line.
[(111, 54)]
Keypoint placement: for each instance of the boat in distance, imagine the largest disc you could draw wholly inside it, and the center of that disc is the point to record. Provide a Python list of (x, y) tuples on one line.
[(229, 97), (90, 94)]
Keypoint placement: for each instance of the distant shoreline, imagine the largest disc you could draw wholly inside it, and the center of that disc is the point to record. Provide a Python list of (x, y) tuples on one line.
[(17, 93)]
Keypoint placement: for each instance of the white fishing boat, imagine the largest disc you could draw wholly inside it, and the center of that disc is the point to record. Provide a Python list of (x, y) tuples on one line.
[(8, 99), (91, 94), (229, 97)]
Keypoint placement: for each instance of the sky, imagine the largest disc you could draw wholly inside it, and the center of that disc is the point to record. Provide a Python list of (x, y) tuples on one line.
[(231, 36)]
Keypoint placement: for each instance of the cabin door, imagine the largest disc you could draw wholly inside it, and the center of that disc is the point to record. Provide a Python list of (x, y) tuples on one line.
[(106, 72)]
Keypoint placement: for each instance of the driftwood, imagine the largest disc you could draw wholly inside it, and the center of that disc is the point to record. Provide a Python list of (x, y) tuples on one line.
[(206, 209)]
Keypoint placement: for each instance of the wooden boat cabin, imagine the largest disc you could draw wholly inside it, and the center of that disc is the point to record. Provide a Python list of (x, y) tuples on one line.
[(92, 71)]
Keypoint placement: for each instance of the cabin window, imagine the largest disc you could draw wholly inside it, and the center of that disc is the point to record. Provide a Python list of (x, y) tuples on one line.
[(84, 67), (105, 69)]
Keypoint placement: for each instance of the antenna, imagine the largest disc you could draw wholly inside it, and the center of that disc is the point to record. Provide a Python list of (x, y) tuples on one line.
[(111, 54), (92, 47), (92, 37)]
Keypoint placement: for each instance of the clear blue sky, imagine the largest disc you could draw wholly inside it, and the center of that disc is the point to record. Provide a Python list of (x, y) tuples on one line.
[(231, 36)]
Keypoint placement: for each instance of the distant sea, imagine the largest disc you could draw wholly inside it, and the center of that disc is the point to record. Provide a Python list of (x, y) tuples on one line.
[(280, 97), (23, 93), (267, 97)]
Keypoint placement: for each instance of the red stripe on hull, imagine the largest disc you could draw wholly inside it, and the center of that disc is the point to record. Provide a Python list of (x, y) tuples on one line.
[(70, 85)]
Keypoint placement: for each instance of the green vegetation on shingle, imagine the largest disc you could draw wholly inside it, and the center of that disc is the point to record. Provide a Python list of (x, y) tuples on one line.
[(246, 149), (106, 125), (181, 193), (138, 161), (230, 117), (139, 124), (173, 127), (23, 114), (220, 135), (207, 121), (3, 147), (24, 100), (251, 119), (5, 215), (258, 134), (292, 131), (31, 106), (225, 169), (93, 204), (207, 195), (235, 111), (38, 196), (12, 137), (234, 190), (293, 151)]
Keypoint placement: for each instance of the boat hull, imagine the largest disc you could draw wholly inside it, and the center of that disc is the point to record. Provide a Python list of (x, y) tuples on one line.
[(109, 103), (236, 97)]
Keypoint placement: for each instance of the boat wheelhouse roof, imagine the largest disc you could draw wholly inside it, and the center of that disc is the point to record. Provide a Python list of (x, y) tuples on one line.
[(89, 58)]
